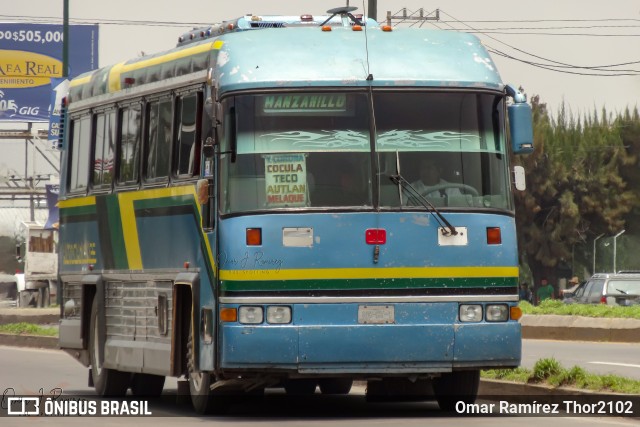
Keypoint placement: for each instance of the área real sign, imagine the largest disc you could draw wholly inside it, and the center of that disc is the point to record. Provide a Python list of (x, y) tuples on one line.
[(30, 55)]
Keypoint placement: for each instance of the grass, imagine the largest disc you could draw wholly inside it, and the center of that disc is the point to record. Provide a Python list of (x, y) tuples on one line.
[(24, 328), (588, 310), (550, 372)]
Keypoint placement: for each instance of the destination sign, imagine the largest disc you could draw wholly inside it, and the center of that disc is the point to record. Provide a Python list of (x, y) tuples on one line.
[(286, 180), (302, 104)]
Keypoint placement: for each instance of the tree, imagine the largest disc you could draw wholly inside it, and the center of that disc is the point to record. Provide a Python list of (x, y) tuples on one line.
[(574, 188)]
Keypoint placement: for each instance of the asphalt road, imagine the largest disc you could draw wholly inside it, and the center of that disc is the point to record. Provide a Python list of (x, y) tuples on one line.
[(29, 371), (621, 359)]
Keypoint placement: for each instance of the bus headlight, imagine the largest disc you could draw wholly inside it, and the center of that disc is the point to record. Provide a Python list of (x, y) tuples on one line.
[(470, 312), (497, 313), (250, 315), (278, 314)]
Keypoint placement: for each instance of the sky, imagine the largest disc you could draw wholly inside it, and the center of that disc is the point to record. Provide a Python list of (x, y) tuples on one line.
[(557, 34)]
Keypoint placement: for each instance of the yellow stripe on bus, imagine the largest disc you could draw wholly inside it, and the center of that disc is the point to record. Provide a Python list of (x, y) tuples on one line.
[(75, 203), (129, 226), (117, 70), (80, 81), (371, 273)]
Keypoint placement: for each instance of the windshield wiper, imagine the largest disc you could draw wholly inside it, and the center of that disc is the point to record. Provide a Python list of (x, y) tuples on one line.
[(415, 197), (622, 292)]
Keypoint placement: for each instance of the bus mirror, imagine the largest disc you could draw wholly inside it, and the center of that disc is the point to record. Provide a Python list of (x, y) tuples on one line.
[(521, 127), (519, 178), (207, 148)]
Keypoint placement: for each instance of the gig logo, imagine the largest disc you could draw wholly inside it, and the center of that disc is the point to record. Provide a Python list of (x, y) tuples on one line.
[(10, 106)]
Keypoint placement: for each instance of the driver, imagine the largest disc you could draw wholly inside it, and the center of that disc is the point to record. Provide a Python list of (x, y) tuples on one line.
[(430, 175)]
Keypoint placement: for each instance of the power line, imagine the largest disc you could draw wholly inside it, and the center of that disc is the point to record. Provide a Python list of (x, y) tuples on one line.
[(550, 64), (104, 21)]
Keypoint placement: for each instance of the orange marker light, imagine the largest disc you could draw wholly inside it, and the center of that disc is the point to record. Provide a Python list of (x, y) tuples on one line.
[(228, 315), (326, 28), (515, 313), (357, 28), (387, 28), (494, 236), (254, 236)]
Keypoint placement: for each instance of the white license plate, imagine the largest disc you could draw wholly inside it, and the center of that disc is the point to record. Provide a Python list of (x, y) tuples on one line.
[(376, 314)]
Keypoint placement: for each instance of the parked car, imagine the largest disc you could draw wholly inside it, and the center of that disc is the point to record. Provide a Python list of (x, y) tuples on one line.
[(611, 289), (569, 295)]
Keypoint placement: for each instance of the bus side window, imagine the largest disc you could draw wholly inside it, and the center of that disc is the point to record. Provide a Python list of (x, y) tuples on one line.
[(104, 131), (187, 135), (158, 139), (129, 144), (80, 151)]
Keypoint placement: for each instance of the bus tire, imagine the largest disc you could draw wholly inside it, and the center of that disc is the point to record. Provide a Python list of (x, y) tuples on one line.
[(456, 386), (300, 387), (148, 385), (107, 382), (200, 384), (335, 385)]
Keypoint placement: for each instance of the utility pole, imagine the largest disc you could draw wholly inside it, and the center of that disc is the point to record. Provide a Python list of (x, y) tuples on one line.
[(406, 17), (65, 38), (372, 10)]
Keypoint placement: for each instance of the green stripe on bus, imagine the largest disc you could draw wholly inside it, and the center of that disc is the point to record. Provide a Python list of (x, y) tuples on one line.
[(163, 202), (117, 235), (357, 284), (78, 210)]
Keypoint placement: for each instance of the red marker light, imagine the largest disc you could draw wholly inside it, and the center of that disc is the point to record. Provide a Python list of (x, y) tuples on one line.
[(494, 236), (254, 236), (375, 236)]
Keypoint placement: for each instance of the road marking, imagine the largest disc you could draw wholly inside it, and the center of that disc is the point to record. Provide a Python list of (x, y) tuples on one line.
[(629, 365)]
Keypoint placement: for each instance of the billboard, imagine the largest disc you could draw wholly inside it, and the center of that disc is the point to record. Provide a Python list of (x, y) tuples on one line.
[(30, 55)]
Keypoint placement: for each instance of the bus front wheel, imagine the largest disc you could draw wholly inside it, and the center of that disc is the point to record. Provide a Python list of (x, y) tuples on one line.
[(456, 386), (107, 382), (200, 384)]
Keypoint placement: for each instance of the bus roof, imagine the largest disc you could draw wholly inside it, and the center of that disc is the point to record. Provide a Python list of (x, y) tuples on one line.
[(303, 57)]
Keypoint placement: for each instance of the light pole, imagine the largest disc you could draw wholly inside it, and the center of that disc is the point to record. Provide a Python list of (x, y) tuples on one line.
[(594, 252), (615, 249)]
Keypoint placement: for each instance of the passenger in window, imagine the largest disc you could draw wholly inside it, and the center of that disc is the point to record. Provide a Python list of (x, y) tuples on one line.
[(430, 177)]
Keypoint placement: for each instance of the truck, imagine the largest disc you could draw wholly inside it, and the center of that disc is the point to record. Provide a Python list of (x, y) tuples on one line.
[(38, 282)]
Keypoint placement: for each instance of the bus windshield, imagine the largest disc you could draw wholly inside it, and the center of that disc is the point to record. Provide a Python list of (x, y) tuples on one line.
[(313, 150), (449, 146), (297, 150)]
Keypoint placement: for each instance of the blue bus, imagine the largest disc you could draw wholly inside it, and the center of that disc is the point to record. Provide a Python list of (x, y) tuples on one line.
[(297, 202)]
